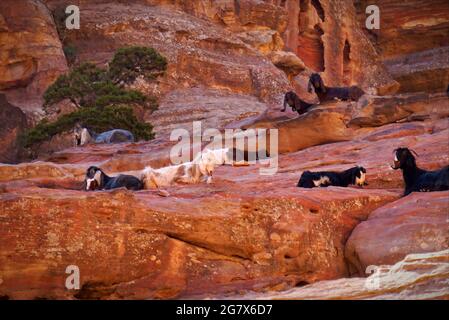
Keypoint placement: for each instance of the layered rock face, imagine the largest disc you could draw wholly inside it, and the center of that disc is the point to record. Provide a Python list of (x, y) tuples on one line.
[(327, 36), (412, 41), (31, 54), (230, 64), (382, 240), (417, 277)]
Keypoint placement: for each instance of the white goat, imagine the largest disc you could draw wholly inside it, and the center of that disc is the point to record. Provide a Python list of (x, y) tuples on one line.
[(201, 168)]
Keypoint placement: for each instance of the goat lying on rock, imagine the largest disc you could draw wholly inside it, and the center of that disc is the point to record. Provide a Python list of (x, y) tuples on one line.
[(298, 105), (96, 179), (416, 179), (330, 93), (83, 136), (201, 168), (355, 176)]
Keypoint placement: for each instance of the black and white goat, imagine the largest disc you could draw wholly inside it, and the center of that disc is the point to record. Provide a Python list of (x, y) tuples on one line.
[(330, 93), (355, 176), (96, 179), (292, 100), (416, 179)]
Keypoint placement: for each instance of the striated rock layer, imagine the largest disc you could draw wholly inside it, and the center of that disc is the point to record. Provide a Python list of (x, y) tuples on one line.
[(413, 41), (414, 224), (31, 54), (417, 277)]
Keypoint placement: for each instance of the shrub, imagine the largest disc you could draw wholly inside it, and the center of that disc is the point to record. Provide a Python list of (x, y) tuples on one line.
[(77, 86), (131, 62), (70, 53), (97, 119), (102, 103)]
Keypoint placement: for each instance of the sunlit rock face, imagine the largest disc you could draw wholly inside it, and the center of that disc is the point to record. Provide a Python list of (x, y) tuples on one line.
[(32, 56), (13, 121), (412, 42), (246, 234), (416, 277), (328, 37), (415, 224)]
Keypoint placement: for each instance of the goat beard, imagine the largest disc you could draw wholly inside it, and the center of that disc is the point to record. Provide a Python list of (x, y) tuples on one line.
[(396, 165)]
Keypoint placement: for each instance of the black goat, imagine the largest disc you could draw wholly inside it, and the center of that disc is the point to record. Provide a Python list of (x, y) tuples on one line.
[(96, 179), (355, 176), (330, 93), (291, 99), (416, 179)]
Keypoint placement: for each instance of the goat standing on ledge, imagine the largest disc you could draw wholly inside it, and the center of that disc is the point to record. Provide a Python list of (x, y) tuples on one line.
[(294, 102), (355, 176), (96, 179), (330, 93), (416, 179)]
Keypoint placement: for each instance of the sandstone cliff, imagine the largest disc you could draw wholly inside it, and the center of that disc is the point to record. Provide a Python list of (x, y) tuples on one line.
[(247, 235)]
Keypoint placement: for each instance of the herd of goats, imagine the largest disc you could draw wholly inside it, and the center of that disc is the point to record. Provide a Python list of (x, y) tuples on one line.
[(203, 165)]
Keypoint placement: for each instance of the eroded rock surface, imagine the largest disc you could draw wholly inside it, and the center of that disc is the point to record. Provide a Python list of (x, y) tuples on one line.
[(32, 56), (228, 68), (417, 277), (244, 232), (418, 223)]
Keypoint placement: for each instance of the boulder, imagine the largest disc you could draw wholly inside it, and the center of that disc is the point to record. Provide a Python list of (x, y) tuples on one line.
[(373, 111), (414, 224), (422, 276)]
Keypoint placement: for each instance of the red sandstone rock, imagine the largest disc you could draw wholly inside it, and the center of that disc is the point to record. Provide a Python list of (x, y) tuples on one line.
[(246, 231), (417, 277), (414, 224), (376, 111), (412, 41), (13, 121), (32, 56), (199, 240), (327, 36)]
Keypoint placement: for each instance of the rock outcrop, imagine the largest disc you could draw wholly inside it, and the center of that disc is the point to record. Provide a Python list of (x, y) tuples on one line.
[(327, 36), (415, 224), (216, 240), (32, 56), (417, 277), (229, 66), (412, 42)]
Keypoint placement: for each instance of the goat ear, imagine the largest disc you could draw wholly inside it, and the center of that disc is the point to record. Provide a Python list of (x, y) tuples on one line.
[(414, 152)]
